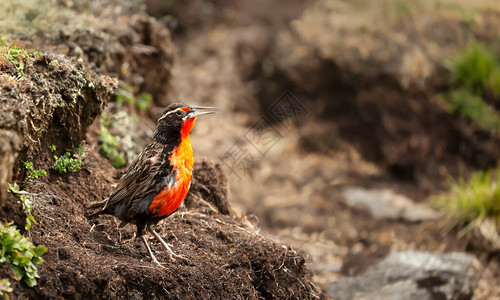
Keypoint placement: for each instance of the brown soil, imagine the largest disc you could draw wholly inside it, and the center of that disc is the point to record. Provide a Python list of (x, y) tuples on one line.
[(90, 258)]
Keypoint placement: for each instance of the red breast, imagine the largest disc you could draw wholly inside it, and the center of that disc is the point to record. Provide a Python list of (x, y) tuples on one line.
[(181, 160)]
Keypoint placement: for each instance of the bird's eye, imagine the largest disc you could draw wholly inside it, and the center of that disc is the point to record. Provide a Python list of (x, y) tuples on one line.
[(179, 113)]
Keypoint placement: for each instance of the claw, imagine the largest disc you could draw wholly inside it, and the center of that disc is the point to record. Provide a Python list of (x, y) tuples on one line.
[(171, 254)]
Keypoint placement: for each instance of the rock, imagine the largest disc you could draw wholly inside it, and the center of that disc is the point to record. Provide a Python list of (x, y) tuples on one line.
[(410, 275), (9, 145), (386, 204), (53, 104)]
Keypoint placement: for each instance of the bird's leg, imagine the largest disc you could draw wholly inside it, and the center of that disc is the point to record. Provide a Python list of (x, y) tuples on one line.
[(153, 258), (171, 253)]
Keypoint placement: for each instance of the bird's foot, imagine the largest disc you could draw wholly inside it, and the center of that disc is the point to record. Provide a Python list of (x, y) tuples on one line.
[(158, 263), (175, 257)]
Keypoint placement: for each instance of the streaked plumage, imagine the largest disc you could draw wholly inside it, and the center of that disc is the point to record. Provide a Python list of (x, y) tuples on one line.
[(158, 179)]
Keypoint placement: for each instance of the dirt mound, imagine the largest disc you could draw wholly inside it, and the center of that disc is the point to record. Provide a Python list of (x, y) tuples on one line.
[(110, 39), (53, 93), (90, 258)]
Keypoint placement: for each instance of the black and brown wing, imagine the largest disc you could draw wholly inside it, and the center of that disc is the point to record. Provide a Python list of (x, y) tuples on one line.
[(143, 180)]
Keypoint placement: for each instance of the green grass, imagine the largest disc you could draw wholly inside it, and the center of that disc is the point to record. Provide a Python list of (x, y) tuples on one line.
[(475, 75), (473, 201), (476, 68), (32, 173), (474, 108)]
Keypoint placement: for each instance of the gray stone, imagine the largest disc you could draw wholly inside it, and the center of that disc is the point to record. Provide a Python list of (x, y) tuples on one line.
[(410, 275), (387, 204)]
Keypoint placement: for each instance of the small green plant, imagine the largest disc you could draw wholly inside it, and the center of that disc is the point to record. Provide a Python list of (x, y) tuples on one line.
[(144, 101), (473, 201), (25, 199), (125, 94), (5, 288), (32, 173), (19, 254), (16, 56), (81, 151), (66, 163), (52, 148), (109, 147)]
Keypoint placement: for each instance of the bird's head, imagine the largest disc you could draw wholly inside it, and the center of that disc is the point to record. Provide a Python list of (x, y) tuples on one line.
[(178, 120)]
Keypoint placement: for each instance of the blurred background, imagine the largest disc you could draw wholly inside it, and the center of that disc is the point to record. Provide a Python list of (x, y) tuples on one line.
[(352, 130)]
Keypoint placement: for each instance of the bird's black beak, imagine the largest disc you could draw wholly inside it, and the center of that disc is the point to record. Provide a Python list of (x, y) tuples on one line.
[(196, 111)]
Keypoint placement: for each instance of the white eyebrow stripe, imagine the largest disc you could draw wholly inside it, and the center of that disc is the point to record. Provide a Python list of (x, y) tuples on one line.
[(169, 113)]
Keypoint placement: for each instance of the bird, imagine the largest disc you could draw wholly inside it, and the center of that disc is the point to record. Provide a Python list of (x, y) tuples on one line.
[(158, 179)]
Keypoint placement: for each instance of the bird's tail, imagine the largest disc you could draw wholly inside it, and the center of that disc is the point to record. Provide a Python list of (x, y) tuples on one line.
[(100, 205)]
